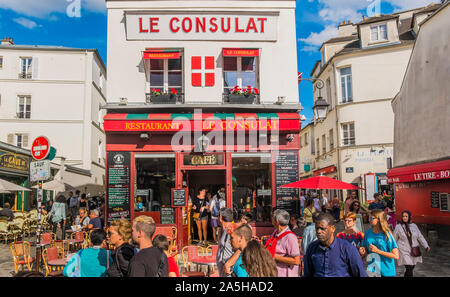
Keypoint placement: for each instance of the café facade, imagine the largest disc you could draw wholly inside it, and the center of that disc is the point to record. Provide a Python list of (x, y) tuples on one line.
[(201, 93)]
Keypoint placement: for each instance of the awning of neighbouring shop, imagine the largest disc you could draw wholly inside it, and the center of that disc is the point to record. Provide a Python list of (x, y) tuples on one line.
[(326, 170), (240, 52), (171, 122), (427, 171)]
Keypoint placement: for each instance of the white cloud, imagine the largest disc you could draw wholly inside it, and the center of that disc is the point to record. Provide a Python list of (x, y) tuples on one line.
[(332, 12), (26, 23), (316, 39), (43, 8)]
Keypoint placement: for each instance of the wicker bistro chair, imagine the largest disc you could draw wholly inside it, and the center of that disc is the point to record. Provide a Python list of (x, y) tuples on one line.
[(5, 232), (47, 238), (77, 240), (212, 249), (21, 253), (17, 227), (63, 247), (190, 252), (48, 254)]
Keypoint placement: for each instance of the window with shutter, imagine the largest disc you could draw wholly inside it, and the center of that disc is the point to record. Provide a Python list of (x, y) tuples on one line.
[(26, 68), (25, 140), (10, 138), (331, 140), (324, 144), (348, 134), (23, 107), (1, 62)]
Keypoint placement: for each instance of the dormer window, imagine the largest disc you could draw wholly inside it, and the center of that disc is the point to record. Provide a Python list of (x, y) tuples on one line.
[(378, 33)]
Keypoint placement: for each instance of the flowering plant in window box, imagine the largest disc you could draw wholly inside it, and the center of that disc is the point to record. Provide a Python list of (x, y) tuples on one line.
[(242, 95), (161, 97)]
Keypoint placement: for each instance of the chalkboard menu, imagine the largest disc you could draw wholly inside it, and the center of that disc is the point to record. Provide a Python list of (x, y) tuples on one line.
[(286, 172), (444, 201), (179, 197), (434, 199), (167, 215), (118, 186)]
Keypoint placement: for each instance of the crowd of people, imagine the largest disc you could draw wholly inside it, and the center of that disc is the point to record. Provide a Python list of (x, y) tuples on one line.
[(307, 240)]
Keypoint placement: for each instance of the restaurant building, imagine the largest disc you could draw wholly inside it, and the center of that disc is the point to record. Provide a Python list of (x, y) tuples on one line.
[(197, 132), (421, 173), (14, 168)]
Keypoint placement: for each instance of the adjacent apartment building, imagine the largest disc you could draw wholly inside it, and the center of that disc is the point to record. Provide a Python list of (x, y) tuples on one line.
[(56, 92), (362, 71), (421, 173)]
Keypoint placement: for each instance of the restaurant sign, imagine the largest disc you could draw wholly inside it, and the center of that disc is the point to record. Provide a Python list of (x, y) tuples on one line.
[(9, 160), (182, 25)]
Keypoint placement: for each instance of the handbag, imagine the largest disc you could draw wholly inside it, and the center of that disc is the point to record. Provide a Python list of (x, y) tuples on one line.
[(415, 250), (196, 215)]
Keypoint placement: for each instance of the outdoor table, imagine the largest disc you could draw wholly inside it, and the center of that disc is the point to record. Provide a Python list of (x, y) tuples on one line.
[(58, 264), (205, 260)]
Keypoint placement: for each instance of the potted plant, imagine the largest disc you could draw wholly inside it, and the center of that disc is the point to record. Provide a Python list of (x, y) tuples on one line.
[(242, 96), (156, 96)]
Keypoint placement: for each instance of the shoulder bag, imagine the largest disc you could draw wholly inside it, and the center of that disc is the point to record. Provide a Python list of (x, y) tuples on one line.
[(415, 250)]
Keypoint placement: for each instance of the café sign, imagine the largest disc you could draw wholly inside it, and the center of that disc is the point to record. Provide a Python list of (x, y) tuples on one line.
[(203, 160), (14, 161), (182, 25)]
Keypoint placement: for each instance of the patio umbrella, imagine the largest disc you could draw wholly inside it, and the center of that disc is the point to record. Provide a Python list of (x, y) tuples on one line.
[(57, 186), (4, 192), (8, 186), (321, 183)]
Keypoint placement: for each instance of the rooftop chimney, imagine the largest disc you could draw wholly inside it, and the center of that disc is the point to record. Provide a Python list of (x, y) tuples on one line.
[(346, 28), (7, 41)]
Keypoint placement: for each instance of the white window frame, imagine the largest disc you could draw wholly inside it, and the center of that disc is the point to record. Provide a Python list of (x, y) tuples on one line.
[(28, 74), (346, 99), (27, 99), (378, 32), (347, 127), (239, 72), (331, 138), (324, 144), (165, 76), (329, 94), (21, 136)]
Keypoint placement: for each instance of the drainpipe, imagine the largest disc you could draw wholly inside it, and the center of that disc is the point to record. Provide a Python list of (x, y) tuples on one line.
[(339, 176)]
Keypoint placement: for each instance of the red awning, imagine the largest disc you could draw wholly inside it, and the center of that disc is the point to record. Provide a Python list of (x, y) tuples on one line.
[(421, 172), (321, 182), (240, 52), (157, 54), (326, 170)]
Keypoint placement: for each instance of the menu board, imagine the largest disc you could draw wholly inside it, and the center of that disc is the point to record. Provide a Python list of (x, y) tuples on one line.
[(118, 186), (286, 172), (443, 198), (179, 197), (434, 199), (167, 215)]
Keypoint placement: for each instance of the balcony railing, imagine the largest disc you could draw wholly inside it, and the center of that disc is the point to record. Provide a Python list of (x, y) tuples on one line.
[(164, 98), (24, 75)]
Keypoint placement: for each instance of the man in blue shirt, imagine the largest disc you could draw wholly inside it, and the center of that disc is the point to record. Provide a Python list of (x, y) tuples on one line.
[(239, 239), (330, 256), (94, 221), (378, 203)]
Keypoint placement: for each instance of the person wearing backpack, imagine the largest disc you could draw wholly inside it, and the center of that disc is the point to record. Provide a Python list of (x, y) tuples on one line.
[(283, 245), (217, 202)]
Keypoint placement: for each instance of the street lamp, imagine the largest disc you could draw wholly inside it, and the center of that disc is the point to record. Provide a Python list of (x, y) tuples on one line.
[(320, 105)]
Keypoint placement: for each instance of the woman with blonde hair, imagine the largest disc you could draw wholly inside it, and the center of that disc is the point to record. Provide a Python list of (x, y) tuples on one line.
[(119, 236), (257, 261), (350, 233), (379, 246)]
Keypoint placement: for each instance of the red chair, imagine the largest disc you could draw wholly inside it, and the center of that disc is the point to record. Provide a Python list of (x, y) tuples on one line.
[(47, 238), (21, 253), (48, 254), (191, 251), (77, 239), (214, 249)]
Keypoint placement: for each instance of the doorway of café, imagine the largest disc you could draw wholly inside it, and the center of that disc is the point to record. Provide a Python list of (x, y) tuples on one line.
[(213, 180)]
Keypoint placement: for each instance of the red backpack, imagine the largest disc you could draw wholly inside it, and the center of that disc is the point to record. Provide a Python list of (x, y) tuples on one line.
[(271, 243)]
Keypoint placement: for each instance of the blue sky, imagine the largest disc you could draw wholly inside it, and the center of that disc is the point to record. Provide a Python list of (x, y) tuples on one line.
[(47, 22)]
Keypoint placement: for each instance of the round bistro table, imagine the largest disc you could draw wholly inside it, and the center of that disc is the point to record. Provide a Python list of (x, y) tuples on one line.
[(205, 260)]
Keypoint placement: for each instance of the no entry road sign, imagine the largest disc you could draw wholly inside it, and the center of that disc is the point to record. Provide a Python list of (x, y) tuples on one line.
[(40, 148)]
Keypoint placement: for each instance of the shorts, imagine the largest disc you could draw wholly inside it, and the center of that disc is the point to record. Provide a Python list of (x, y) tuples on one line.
[(214, 223), (205, 218)]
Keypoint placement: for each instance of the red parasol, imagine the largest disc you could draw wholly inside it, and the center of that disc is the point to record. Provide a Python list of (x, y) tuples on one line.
[(321, 183)]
